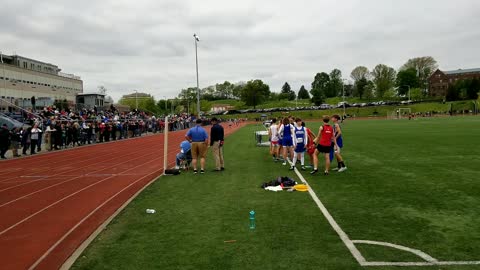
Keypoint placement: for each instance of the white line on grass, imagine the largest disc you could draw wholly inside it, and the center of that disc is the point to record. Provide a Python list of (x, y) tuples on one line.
[(346, 240), (417, 252), (429, 260)]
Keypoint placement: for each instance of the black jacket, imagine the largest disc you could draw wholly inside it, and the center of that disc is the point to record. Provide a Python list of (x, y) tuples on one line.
[(216, 134)]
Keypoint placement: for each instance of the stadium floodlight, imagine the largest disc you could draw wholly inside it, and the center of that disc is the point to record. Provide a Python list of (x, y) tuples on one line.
[(197, 39)]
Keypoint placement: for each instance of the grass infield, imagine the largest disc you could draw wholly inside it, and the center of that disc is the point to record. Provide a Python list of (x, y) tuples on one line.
[(411, 183)]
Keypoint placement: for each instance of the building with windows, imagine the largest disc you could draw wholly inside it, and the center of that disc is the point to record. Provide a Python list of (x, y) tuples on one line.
[(439, 81), (22, 78), (89, 101)]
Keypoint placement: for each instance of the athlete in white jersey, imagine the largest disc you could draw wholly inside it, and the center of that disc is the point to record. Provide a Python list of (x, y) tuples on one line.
[(274, 139)]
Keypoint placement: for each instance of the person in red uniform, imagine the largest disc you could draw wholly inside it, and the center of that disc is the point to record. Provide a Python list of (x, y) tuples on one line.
[(325, 140)]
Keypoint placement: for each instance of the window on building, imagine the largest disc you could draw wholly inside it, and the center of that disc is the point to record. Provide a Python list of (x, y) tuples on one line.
[(25, 65), (32, 66)]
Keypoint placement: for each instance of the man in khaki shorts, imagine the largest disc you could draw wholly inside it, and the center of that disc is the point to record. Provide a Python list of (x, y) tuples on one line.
[(199, 138)]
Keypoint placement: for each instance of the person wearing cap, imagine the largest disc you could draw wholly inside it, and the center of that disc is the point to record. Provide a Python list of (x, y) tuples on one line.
[(216, 142), (198, 137), (4, 140)]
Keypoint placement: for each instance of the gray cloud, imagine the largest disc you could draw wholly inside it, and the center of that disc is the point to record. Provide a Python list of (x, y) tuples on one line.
[(148, 45)]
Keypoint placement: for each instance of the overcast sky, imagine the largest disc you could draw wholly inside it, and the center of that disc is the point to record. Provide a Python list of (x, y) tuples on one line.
[(148, 44)]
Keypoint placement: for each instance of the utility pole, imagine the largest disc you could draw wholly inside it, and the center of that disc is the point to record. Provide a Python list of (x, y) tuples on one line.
[(196, 65)]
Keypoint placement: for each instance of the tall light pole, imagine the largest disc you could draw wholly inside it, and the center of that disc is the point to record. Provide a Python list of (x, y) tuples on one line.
[(343, 95), (196, 65), (136, 100), (166, 105), (408, 91), (4, 81)]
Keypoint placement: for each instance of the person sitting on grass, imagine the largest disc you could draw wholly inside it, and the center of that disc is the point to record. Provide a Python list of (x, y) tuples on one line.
[(324, 140), (184, 154), (300, 140)]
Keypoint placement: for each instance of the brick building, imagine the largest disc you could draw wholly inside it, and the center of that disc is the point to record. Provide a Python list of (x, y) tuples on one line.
[(439, 81)]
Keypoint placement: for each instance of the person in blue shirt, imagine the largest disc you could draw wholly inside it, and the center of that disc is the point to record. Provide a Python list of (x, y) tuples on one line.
[(184, 154), (199, 138), (300, 141)]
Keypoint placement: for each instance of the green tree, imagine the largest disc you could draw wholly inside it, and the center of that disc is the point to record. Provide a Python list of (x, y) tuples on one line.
[(416, 94), (405, 78), (359, 88), (237, 90), (224, 90), (319, 87), (384, 79), (303, 93), (359, 73), (335, 85), (349, 89), (286, 92), (255, 92), (424, 66), (144, 101), (369, 90), (390, 94)]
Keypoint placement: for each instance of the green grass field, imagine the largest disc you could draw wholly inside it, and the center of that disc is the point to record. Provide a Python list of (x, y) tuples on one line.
[(411, 183)]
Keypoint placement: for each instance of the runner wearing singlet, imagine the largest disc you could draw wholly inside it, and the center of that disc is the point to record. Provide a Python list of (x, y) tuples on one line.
[(274, 139), (287, 140), (335, 151), (300, 140), (324, 139)]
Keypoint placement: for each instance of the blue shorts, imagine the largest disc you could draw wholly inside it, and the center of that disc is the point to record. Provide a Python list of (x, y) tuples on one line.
[(287, 142), (300, 148), (332, 151)]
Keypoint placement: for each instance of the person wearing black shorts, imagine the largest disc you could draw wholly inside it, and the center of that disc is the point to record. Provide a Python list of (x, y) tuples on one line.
[(325, 140)]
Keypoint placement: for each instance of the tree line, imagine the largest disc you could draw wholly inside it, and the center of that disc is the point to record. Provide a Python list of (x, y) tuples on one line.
[(382, 82)]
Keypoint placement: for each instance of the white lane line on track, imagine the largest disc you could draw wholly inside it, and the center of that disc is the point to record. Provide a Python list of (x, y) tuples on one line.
[(74, 168), (66, 153), (72, 194), (68, 180), (39, 260), (76, 254)]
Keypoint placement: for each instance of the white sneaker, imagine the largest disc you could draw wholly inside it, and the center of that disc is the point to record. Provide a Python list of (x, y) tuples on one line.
[(342, 169), (176, 167), (284, 163)]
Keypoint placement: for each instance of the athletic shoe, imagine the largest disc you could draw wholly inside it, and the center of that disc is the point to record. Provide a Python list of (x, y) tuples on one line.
[(202, 171), (195, 171), (342, 169), (325, 173), (284, 163), (222, 169), (303, 168), (314, 171), (177, 167), (292, 168), (335, 169)]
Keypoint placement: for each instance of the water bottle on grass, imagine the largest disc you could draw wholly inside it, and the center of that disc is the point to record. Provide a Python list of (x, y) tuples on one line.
[(252, 220)]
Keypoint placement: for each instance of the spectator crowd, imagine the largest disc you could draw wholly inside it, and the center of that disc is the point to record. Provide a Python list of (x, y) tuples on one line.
[(53, 129)]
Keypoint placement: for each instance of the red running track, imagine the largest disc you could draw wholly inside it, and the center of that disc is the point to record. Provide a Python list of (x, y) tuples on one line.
[(51, 203)]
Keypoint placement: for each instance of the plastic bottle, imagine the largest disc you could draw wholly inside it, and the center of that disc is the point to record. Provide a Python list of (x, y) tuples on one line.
[(252, 220)]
